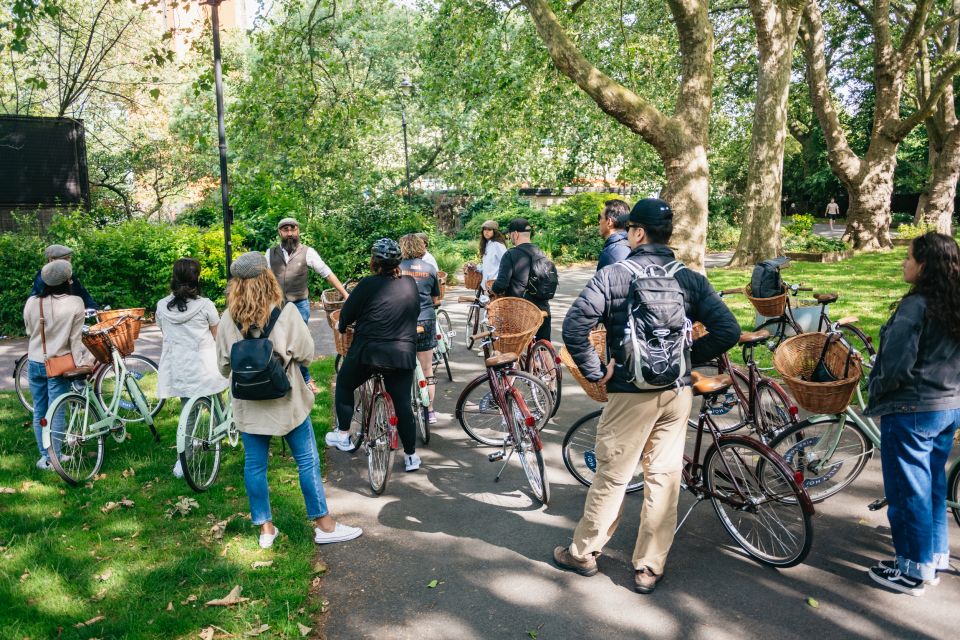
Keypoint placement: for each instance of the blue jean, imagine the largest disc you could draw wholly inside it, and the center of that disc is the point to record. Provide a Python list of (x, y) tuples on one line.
[(303, 446), (303, 306), (44, 391), (914, 448)]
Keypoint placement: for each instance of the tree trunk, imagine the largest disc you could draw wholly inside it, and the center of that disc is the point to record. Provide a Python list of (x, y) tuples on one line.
[(868, 217), (777, 27), (939, 204), (687, 190), (932, 154)]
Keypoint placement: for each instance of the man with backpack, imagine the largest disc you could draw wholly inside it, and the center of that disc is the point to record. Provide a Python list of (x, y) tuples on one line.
[(647, 303), (526, 272)]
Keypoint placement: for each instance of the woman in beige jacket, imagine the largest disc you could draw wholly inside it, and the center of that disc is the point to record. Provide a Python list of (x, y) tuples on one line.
[(252, 295)]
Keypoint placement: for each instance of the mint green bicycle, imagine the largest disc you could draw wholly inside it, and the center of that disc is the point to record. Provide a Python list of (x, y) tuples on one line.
[(205, 421)]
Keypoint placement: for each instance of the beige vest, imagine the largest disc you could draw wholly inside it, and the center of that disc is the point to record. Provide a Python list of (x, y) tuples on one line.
[(293, 276)]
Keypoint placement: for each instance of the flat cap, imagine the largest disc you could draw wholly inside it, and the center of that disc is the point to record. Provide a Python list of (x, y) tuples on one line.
[(249, 265), (288, 222), (56, 272), (57, 251), (491, 224)]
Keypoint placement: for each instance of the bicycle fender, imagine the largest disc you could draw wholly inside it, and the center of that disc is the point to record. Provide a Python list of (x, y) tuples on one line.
[(776, 458), (45, 436)]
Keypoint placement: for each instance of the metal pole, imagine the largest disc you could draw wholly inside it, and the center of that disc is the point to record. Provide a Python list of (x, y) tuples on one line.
[(222, 134), (406, 159)]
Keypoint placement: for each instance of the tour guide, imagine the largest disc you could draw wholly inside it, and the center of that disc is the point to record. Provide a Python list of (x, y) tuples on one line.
[(290, 262)]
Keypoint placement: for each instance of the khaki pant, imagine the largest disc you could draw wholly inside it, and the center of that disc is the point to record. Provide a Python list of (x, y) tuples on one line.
[(637, 427)]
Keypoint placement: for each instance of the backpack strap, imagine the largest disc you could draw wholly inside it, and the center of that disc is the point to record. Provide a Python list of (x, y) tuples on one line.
[(274, 316)]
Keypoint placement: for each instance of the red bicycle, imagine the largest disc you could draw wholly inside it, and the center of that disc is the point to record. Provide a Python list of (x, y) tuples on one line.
[(374, 428)]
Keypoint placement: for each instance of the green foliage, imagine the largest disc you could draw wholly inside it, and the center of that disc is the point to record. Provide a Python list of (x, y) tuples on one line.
[(900, 218), (20, 257), (800, 224), (813, 243), (721, 234), (909, 231)]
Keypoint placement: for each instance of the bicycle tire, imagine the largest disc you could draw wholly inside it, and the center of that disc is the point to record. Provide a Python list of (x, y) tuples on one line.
[(796, 446), (858, 340), (529, 450), (472, 324), (145, 372), (579, 452), (763, 352), (69, 465), (783, 534), (379, 451), (726, 409), (446, 364), (775, 412), (953, 490), (337, 363), (481, 418), (542, 362), (419, 415), (21, 382), (200, 458)]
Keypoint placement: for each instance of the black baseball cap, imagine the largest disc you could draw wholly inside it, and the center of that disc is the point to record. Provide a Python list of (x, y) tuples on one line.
[(519, 224), (651, 212)]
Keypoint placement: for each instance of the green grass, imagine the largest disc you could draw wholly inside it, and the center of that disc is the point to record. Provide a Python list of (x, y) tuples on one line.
[(64, 560)]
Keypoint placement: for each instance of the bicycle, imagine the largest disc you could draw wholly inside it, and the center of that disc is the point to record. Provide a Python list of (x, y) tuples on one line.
[(376, 431), (205, 421), (420, 401), (522, 435), (758, 498), (444, 342), (86, 421), (476, 315)]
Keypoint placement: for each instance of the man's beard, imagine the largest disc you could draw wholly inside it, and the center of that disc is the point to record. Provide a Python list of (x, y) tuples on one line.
[(290, 244)]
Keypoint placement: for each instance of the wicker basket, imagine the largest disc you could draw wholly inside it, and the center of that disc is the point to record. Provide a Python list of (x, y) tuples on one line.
[(597, 391), (515, 322), (442, 277), (119, 331), (471, 276), (769, 307), (341, 341), (136, 316), (331, 299), (795, 360)]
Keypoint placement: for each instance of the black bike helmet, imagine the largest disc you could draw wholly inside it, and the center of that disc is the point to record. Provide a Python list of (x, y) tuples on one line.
[(385, 251)]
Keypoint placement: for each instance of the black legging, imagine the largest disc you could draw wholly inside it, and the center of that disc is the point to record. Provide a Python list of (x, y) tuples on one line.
[(398, 383)]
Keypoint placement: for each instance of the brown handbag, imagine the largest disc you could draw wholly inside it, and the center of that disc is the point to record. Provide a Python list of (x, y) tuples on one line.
[(57, 365)]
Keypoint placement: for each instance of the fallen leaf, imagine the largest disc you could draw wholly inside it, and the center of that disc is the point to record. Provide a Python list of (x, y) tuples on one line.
[(324, 605), (813, 603), (103, 577), (315, 582), (532, 634), (255, 632), (207, 634), (99, 595), (230, 599), (319, 567), (432, 584), (228, 489), (57, 514), (91, 621), (304, 630), (262, 563), (110, 506), (7, 490), (24, 575), (128, 473), (169, 606), (100, 476), (190, 598), (182, 507)]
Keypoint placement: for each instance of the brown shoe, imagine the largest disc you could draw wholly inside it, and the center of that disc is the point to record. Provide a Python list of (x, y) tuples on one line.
[(645, 580), (563, 559)]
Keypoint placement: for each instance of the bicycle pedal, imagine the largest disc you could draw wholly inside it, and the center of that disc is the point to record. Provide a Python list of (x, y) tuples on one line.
[(877, 504), (495, 456)]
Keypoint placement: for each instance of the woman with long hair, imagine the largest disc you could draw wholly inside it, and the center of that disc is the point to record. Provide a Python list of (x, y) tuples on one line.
[(188, 322), (492, 247), (414, 264), (255, 304), (383, 308), (915, 389), (54, 322)]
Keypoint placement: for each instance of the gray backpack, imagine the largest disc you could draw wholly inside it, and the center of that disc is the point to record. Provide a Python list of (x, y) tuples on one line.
[(659, 334)]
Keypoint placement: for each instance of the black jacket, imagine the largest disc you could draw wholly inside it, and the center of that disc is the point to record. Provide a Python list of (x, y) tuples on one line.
[(76, 289), (515, 271), (918, 366), (384, 310), (604, 301), (615, 249)]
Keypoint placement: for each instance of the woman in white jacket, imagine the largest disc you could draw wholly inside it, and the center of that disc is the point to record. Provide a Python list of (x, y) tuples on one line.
[(492, 248)]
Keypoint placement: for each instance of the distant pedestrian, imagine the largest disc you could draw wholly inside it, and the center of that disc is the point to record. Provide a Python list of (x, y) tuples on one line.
[(613, 228), (833, 212), (492, 247), (915, 389)]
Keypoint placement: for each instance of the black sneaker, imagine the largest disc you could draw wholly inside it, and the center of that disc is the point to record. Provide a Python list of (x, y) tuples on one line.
[(892, 578), (892, 564)]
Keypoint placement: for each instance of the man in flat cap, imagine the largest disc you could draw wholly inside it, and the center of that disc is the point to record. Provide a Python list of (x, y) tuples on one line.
[(61, 252), (291, 262)]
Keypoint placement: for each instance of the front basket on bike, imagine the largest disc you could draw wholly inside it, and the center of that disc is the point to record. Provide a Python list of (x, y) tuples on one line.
[(442, 279), (471, 277), (515, 322), (796, 358), (597, 391), (769, 307), (136, 315), (118, 331), (341, 341)]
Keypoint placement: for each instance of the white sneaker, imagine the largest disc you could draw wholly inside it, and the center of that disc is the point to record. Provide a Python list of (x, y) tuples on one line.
[(339, 439), (178, 470), (411, 462), (341, 533), (44, 464), (266, 539)]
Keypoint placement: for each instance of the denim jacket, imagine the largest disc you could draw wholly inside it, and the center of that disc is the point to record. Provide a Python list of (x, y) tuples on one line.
[(918, 366)]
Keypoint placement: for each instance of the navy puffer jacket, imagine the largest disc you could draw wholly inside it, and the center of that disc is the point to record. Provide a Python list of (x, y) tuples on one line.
[(604, 301)]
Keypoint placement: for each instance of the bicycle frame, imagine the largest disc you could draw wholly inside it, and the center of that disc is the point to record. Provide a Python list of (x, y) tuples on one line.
[(368, 391), (221, 422), (751, 399), (421, 381)]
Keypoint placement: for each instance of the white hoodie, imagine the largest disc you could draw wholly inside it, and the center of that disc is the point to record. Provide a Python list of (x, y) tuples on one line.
[(188, 362)]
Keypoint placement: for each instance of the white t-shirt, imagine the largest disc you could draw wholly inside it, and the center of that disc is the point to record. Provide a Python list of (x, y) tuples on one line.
[(313, 261), (429, 259), (490, 266)]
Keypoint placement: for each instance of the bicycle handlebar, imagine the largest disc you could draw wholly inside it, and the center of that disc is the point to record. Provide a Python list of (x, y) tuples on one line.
[(727, 292)]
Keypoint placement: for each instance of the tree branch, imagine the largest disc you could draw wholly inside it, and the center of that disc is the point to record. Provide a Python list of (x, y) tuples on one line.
[(944, 80)]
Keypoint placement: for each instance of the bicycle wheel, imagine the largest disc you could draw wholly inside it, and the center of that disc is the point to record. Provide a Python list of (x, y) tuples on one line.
[(726, 409), (763, 353), (81, 454), (859, 342), (21, 381), (444, 325), (580, 456), (824, 477), (200, 458), (526, 442), (953, 490), (542, 362), (481, 418), (144, 371), (473, 321), (379, 452), (773, 410), (758, 501), (419, 415)]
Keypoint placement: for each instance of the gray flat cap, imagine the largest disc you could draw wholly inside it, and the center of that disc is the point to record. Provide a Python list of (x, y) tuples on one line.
[(57, 251), (56, 272), (249, 265), (292, 222)]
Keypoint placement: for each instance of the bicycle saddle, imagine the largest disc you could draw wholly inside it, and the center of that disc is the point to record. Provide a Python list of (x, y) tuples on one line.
[(703, 385), (466, 299), (753, 337), (500, 360), (826, 298), (79, 372)]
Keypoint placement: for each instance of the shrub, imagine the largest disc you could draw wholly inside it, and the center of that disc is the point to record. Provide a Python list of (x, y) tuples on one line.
[(901, 218), (813, 243), (909, 231), (722, 235), (800, 224)]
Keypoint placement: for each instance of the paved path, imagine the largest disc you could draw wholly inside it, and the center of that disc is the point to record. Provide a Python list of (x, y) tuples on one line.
[(488, 544)]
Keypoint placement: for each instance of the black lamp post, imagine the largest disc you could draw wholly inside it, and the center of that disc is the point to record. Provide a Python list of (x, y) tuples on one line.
[(406, 87), (221, 132)]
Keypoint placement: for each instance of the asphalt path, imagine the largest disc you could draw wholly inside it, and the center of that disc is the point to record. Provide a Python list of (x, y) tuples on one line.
[(488, 546)]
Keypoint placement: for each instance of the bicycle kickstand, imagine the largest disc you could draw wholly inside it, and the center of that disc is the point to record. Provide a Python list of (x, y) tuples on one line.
[(689, 511), (500, 455)]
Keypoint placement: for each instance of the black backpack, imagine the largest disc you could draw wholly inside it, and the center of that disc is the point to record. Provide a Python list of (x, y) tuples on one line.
[(258, 372), (543, 281), (766, 281)]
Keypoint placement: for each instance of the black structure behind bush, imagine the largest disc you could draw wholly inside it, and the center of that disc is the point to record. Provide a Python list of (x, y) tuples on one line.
[(43, 163)]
